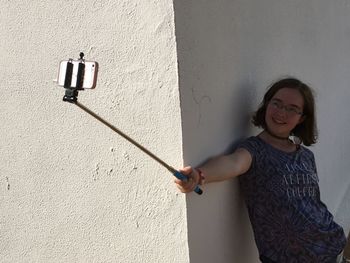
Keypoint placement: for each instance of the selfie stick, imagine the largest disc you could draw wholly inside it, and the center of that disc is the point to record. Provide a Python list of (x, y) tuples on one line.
[(71, 95)]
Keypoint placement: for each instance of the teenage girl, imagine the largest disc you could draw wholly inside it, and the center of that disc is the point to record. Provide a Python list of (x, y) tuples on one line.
[(279, 180)]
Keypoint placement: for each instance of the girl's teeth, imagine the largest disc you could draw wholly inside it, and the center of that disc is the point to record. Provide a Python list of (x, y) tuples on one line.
[(279, 122)]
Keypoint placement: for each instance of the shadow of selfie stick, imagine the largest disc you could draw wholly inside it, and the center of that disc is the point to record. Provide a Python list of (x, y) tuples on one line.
[(71, 95)]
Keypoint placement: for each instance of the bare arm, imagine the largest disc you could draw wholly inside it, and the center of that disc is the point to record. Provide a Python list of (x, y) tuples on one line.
[(217, 169), (227, 166)]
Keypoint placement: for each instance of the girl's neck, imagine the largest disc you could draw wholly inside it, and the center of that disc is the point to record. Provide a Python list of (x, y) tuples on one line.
[(281, 138), (282, 143)]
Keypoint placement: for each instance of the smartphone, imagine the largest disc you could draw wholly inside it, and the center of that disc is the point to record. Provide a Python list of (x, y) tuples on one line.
[(89, 78)]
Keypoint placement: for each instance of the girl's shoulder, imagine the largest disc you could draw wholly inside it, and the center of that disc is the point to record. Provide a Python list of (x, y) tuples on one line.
[(255, 145), (252, 144)]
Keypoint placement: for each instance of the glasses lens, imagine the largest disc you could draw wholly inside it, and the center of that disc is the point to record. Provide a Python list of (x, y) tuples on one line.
[(290, 111)]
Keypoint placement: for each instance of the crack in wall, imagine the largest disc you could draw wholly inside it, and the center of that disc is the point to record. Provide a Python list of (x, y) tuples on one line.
[(8, 183), (199, 103)]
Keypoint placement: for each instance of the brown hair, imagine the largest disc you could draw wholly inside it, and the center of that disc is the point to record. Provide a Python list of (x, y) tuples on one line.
[(306, 130)]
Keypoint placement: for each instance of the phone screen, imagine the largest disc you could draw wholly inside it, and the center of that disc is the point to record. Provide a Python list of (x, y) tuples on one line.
[(90, 74)]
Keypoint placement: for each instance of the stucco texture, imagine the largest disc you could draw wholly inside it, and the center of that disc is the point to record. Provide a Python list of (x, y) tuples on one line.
[(71, 190)]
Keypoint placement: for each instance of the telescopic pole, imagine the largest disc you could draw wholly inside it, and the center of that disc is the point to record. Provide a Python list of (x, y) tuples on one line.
[(176, 173)]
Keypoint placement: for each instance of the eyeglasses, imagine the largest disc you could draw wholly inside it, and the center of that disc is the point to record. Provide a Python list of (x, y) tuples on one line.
[(290, 110)]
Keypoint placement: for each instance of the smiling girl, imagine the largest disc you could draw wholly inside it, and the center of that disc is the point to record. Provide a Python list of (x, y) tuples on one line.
[(278, 177)]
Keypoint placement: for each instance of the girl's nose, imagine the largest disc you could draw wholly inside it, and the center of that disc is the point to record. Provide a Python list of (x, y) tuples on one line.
[(281, 113)]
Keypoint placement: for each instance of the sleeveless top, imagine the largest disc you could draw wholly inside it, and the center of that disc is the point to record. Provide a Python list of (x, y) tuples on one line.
[(290, 223)]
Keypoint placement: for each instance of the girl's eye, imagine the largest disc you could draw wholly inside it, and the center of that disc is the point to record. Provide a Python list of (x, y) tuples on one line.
[(276, 104), (293, 110)]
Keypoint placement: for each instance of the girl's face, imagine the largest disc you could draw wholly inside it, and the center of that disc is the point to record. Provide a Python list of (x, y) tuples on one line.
[(284, 111)]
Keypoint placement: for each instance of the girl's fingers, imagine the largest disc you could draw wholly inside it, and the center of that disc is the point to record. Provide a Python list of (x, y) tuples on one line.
[(186, 170), (189, 185), (185, 186)]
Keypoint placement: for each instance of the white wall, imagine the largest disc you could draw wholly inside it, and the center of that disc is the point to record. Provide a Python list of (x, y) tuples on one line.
[(73, 191), (229, 52), (70, 189)]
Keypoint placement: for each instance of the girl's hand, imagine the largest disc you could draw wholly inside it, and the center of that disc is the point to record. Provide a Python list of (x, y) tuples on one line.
[(191, 183)]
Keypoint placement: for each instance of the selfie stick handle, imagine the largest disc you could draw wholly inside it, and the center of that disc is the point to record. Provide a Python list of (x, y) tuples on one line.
[(176, 173)]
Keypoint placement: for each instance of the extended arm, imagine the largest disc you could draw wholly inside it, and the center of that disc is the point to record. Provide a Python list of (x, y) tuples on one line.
[(217, 169)]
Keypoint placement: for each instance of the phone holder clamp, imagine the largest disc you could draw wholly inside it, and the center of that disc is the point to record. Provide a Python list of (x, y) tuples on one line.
[(71, 94)]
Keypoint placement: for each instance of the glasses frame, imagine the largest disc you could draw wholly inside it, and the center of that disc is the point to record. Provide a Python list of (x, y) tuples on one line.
[(291, 111)]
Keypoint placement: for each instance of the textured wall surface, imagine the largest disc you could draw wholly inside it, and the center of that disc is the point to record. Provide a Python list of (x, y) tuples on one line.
[(73, 191), (229, 52), (70, 189)]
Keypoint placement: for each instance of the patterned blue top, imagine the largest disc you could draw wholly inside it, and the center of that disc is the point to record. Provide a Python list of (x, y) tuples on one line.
[(289, 221)]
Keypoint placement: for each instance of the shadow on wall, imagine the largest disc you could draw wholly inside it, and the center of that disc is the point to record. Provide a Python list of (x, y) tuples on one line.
[(216, 103), (342, 215)]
